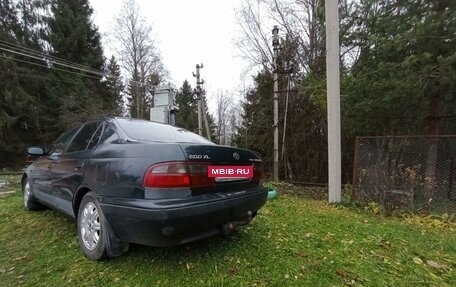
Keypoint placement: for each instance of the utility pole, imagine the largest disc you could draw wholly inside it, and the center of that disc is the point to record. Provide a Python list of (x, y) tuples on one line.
[(333, 99), (275, 45), (206, 123), (201, 107), (198, 94)]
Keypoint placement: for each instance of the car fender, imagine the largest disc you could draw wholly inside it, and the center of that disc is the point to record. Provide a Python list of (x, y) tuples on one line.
[(78, 196)]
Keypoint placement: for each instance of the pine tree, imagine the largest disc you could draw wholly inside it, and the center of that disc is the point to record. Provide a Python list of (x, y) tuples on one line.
[(210, 121), (404, 79), (136, 94), (73, 37), (187, 117), (256, 132), (22, 80), (9, 89), (116, 88)]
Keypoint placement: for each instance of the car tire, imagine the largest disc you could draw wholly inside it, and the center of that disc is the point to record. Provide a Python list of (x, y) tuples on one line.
[(92, 229), (30, 201)]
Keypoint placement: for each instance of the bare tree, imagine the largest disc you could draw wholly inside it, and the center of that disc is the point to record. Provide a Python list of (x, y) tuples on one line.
[(223, 103), (301, 22), (253, 42), (228, 117), (234, 121), (301, 61), (139, 56)]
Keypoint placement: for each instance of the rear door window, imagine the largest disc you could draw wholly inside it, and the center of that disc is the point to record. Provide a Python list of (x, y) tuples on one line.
[(87, 137), (96, 137), (109, 134)]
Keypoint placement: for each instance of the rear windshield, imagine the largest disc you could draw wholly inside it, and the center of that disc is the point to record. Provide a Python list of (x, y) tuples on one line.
[(151, 131)]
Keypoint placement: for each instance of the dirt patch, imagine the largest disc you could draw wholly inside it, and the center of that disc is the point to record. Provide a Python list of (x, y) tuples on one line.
[(4, 194), (9, 185)]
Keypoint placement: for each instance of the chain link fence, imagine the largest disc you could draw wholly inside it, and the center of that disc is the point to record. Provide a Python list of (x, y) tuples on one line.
[(416, 173)]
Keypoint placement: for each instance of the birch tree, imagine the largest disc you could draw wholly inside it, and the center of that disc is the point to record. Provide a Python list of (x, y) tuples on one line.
[(139, 56)]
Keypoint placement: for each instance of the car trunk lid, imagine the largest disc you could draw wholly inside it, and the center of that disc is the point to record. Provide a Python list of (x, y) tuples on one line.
[(218, 156)]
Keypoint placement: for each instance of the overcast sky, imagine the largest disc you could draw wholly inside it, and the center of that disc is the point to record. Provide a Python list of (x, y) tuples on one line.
[(188, 32)]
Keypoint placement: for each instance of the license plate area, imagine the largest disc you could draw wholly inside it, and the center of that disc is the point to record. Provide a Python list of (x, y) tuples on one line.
[(230, 179)]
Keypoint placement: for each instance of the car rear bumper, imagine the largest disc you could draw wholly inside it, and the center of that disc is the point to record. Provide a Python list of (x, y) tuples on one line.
[(171, 222)]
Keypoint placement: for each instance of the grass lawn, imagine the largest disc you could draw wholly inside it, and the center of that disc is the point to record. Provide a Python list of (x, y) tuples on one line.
[(293, 242)]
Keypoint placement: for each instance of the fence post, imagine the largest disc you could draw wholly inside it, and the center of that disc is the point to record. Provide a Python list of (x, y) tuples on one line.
[(450, 180), (354, 194)]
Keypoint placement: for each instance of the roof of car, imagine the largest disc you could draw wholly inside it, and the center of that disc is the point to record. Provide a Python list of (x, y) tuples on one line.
[(123, 118)]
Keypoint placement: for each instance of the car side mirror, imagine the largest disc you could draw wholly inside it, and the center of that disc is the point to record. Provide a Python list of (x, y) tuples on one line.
[(35, 150)]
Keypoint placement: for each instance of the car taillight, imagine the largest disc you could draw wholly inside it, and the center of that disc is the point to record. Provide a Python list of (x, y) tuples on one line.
[(177, 174), (258, 173)]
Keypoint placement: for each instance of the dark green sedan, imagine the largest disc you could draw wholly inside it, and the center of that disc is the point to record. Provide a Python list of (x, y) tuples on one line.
[(135, 181)]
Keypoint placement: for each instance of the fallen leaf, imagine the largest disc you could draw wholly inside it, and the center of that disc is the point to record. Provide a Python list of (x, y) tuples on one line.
[(417, 260), (302, 254), (436, 265), (340, 273)]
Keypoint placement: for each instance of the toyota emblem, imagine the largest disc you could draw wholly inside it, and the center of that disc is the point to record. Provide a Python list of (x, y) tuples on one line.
[(236, 156)]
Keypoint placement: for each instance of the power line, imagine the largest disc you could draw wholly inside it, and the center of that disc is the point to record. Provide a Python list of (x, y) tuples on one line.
[(27, 52), (52, 62), (44, 55), (49, 67), (47, 58), (135, 83)]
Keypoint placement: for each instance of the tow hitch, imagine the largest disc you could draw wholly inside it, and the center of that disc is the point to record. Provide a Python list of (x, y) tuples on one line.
[(230, 227)]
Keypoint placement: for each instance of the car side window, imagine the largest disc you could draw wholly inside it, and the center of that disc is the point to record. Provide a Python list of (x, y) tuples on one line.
[(109, 134), (83, 138), (96, 137), (59, 145)]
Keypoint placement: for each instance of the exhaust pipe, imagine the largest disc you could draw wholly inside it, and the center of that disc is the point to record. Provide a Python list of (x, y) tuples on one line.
[(230, 227)]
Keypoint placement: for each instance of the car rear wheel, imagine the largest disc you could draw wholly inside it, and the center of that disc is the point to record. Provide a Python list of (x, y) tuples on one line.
[(92, 231), (30, 201)]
